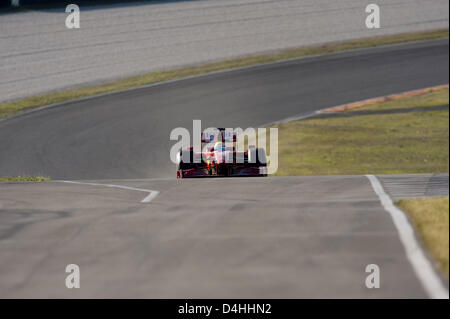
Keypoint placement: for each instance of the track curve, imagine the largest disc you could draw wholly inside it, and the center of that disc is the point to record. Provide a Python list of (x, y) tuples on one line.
[(126, 134)]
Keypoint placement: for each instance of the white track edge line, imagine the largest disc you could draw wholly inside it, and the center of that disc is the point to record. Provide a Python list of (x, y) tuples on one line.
[(152, 193), (419, 262)]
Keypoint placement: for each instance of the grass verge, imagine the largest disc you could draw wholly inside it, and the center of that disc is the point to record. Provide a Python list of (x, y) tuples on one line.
[(11, 108), (430, 217), (381, 143), (24, 179)]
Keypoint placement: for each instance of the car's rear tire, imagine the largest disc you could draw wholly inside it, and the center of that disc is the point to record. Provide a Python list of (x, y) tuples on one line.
[(184, 165), (259, 154), (222, 170)]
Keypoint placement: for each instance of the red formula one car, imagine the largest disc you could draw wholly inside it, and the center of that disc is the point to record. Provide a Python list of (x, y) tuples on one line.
[(221, 160)]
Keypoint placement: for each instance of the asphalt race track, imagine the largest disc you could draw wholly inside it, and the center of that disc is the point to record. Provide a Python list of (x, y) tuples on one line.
[(210, 238), (126, 135), (293, 237)]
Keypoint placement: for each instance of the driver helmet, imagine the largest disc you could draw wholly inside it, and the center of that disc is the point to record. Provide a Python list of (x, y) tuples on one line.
[(219, 146)]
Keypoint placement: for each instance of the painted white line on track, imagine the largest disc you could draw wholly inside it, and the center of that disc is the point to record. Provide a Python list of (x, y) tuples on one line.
[(420, 263), (152, 193), (150, 197)]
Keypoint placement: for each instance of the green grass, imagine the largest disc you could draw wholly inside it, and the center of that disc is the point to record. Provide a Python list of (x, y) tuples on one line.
[(154, 77), (24, 179), (430, 217), (416, 142)]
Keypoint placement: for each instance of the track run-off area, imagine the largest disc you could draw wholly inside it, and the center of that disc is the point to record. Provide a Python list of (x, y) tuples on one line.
[(39, 54)]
